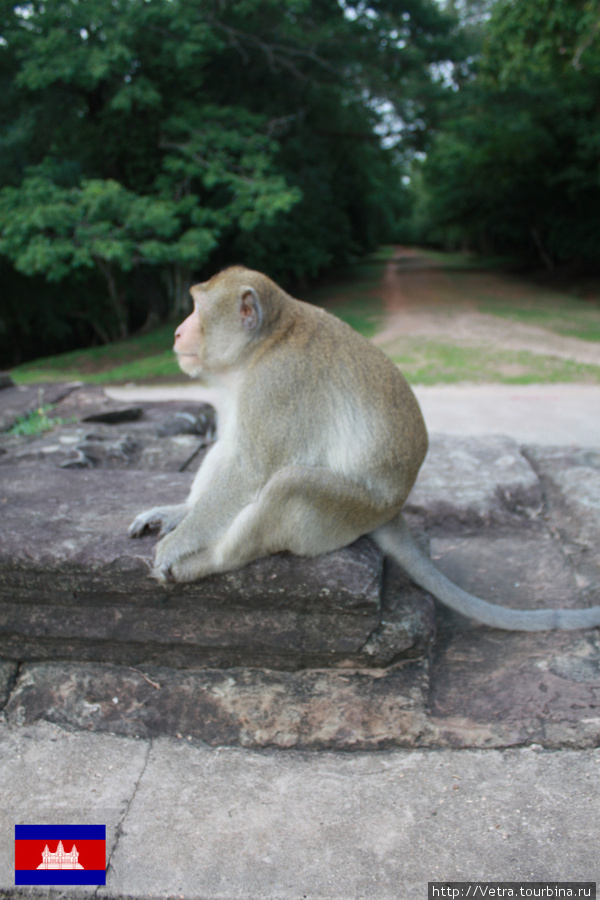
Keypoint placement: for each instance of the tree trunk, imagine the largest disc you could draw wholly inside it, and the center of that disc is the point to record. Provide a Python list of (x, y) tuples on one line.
[(179, 279), (117, 297), (545, 256)]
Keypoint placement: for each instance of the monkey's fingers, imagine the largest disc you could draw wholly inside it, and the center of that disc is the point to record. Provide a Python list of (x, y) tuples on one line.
[(136, 529), (144, 524)]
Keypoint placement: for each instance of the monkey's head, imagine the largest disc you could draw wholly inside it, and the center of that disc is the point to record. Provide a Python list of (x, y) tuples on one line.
[(232, 311)]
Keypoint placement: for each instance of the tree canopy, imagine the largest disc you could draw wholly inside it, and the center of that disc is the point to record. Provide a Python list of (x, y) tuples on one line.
[(146, 142), (515, 165)]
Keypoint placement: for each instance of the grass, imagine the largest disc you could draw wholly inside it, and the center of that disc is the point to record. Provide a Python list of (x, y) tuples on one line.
[(563, 315), (425, 361), (470, 261), (351, 294), (36, 422), (140, 358), (354, 294)]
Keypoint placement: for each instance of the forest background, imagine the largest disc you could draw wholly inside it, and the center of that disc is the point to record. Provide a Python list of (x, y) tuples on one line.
[(146, 143)]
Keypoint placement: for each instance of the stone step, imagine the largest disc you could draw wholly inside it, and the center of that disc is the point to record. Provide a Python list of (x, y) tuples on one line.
[(73, 585)]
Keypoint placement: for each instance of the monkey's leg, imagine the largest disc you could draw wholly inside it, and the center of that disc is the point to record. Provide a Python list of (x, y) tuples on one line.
[(307, 511), (160, 518)]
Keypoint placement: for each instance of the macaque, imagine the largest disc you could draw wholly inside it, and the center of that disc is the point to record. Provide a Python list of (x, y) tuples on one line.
[(321, 442)]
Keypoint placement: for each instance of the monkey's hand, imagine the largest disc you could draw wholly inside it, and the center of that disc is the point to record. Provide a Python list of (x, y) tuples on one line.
[(160, 518)]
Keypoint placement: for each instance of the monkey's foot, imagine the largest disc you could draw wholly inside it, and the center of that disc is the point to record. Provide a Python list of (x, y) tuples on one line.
[(171, 569), (162, 574)]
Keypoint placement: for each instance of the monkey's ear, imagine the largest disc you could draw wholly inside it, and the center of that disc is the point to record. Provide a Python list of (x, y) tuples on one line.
[(250, 309)]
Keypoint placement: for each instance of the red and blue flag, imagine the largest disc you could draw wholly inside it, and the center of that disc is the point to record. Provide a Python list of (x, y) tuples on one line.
[(60, 854)]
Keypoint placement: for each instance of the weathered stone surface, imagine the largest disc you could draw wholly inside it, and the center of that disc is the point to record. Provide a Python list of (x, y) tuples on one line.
[(73, 586), (78, 587), (570, 479), (116, 416), (102, 433), (522, 568), (248, 707), (407, 622), (89, 403), (494, 688), (72, 526), (490, 688), (485, 689), (473, 482), (197, 419), (104, 447)]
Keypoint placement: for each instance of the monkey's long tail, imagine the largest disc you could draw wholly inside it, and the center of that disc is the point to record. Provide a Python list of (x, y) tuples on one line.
[(396, 540)]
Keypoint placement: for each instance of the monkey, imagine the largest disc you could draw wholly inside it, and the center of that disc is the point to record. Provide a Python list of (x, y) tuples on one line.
[(321, 442)]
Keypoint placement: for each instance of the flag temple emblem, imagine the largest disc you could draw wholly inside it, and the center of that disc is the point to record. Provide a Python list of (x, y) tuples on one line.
[(60, 859), (60, 854)]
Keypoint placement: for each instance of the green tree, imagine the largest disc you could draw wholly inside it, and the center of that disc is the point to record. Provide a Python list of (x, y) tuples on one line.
[(515, 165), (157, 140)]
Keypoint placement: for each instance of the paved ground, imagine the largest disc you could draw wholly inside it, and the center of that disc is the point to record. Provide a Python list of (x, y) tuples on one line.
[(185, 820), (188, 822), (541, 414)]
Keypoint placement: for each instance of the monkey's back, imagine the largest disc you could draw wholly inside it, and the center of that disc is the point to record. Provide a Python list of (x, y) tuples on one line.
[(329, 397)]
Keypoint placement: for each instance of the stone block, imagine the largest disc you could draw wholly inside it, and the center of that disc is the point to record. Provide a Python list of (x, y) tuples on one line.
[(473, 482), (325, 709), (73, 585), (492, 689), (570, 478)]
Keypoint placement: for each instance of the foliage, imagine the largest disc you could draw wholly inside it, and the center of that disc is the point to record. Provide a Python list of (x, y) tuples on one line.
[(143, 144), (35, 422), (514, 167), (351, 294)]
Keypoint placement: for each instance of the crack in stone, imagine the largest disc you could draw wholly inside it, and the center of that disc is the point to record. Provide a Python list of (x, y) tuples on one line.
[(12, 685), (119, 828)]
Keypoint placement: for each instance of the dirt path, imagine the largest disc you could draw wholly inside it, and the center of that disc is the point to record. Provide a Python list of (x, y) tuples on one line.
[(422, 300)]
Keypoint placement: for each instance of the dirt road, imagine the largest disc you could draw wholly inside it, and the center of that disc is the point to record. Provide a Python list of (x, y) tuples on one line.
[(423, 300)]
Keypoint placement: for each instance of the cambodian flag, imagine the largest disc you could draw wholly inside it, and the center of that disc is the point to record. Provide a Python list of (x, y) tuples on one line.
[(60, 854)]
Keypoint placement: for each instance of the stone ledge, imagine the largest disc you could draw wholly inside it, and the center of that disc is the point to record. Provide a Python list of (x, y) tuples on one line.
[(79, 588), (483, 689), (73, 586), (469, 482)]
